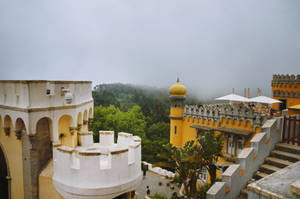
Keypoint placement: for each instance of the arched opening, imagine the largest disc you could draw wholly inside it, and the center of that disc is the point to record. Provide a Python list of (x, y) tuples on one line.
[(90, 115), (8, 125), (41, 142), (64, 131), (4, 176), (20, 128), (79, 126), (37, 151), (85, 120)]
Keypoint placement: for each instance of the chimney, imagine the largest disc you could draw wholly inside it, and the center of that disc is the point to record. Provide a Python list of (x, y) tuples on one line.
[(245, 92), (248, 92), (232, 90)]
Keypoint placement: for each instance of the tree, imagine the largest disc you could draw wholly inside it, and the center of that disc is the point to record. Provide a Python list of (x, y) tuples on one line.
[(186, 162), (210, 149), (158, 131)]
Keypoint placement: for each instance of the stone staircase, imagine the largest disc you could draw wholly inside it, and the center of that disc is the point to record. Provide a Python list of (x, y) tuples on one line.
[(283, 155)]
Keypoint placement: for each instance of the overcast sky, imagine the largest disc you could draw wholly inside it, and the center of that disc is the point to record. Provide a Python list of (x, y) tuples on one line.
[(211, 45)]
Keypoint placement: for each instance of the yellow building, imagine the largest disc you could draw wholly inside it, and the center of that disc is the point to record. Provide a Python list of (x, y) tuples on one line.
[(286, 88), (238, 124)]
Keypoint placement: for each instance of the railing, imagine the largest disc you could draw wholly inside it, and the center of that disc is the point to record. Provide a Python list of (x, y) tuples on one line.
[(291, 130)]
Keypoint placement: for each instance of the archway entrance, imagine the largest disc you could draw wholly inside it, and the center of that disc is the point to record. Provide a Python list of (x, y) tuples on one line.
[(3, 176)]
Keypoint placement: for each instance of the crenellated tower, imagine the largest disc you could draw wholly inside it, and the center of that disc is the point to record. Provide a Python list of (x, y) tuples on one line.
[(177, 97)]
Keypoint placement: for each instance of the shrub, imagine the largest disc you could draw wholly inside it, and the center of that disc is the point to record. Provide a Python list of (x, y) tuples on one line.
[(158, 196)]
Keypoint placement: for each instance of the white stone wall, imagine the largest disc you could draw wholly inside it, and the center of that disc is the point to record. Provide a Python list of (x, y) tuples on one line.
[(236, 176), (29, 101), (101, 170)]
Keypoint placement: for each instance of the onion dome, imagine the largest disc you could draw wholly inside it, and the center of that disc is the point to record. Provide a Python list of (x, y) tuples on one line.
[(177, 89)]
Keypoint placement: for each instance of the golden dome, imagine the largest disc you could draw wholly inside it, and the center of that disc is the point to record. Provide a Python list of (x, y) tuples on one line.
[(177, 89)]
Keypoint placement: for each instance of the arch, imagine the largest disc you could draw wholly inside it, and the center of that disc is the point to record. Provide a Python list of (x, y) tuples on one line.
[(91, 113), (20, 128), (85, 115), (8, 125), (79, 119), (38, 149), (20, 125), (4, 175), (44, 127), (215, 123), (64, 131)]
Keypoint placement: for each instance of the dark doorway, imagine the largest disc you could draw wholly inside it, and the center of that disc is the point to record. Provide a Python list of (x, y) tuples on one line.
[(282, 105), (3, 176)]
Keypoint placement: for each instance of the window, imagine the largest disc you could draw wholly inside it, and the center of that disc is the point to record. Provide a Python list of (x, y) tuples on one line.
[(175, 130), (203, 174), (282, 105), (240, 144), (230, 148)]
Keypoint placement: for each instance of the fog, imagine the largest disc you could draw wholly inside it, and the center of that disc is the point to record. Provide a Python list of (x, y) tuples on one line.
[(211, 45)]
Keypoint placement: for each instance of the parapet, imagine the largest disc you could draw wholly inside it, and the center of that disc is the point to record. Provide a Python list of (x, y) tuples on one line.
[(236, 176), (216, 112), (100, 170), (285, 79)]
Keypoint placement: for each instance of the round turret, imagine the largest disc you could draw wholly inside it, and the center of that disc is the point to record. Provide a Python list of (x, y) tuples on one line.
[(177, 89)]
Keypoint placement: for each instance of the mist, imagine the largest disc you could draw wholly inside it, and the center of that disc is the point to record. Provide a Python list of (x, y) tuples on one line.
[(211, 45)]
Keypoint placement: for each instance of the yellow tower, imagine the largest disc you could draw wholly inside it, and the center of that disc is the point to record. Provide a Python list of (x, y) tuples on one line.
[(177, 97)]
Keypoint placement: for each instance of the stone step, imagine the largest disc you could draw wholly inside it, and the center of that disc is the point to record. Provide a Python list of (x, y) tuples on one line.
[(285, 156), (250, 181), (278, 162), (258, 175), (288, 148), (266, 168)]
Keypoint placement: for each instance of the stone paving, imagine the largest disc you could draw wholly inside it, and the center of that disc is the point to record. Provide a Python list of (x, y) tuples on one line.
[(152, 180), (277, 185)]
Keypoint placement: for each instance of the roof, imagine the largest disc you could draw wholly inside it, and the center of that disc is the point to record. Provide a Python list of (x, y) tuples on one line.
[(224, 129), (233, 97), (264, 99), (177, 89)]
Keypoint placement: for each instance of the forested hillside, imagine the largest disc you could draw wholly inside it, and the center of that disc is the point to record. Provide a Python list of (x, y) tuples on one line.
[(142, 111)]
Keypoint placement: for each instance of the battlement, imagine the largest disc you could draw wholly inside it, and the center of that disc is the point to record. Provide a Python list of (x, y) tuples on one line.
[(236, 176), (80, 170), (285, 79), (217, 112), (37, 94)]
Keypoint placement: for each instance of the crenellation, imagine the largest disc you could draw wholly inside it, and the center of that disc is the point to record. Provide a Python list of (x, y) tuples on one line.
[(285, 79), (217, 112), (117, 163)]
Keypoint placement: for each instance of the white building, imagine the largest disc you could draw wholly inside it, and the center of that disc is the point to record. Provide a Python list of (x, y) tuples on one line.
[(44, 141)]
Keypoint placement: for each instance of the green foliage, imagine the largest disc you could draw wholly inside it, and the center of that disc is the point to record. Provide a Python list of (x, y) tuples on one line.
[(175, 196), (177, 179), (143, 111), (201, 194), (112, 118), (210, 149), (158, 196), (186, 163), (158, 130)]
